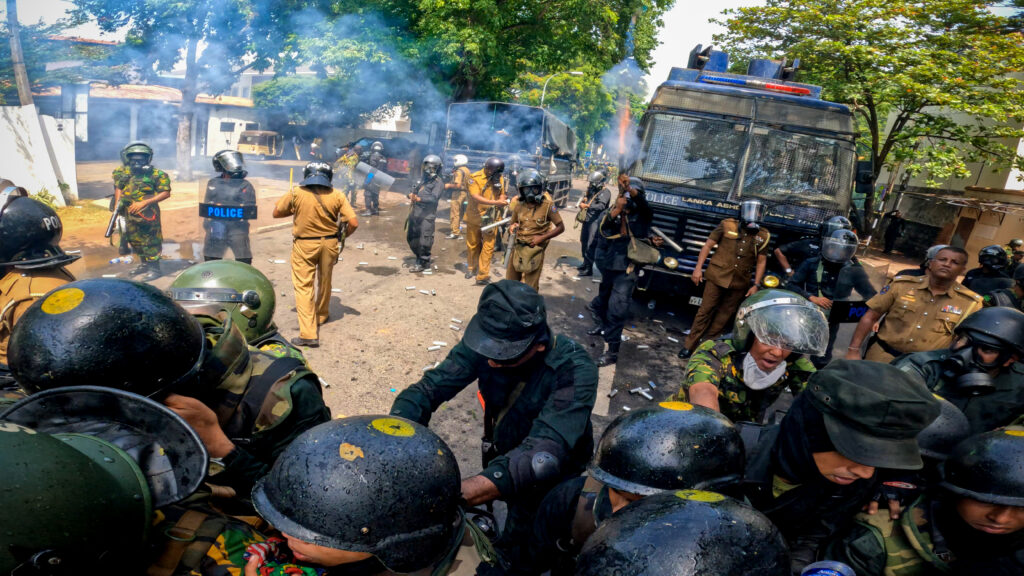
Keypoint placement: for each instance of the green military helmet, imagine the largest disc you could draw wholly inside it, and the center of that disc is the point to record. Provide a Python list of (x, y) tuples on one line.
[(232, 287), (136, 147), (377, 484), (685, 533), (675, 446), (784, 319), (988, 467), (70, 502)]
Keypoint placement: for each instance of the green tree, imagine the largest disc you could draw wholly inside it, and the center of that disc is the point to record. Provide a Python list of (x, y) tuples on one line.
[(581, 101), (216, 40), (930, 81)]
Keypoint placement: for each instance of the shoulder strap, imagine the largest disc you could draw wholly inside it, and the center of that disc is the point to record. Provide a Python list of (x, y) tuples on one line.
[(730, 225)]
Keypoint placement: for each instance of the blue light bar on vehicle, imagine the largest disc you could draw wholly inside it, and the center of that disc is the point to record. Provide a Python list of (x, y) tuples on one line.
[(755, 83)]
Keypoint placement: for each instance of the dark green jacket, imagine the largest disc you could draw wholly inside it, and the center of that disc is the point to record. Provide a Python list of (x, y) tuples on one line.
[(986, 412), (542, 406)]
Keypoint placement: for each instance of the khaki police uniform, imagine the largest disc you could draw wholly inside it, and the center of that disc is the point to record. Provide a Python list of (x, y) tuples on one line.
[(18, 290), (460, 179), (534, 220), (916, 319), (480, 245), (315, 250), (728, 278)]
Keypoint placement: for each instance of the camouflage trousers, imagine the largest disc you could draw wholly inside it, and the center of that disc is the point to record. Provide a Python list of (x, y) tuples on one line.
[(145, 235)]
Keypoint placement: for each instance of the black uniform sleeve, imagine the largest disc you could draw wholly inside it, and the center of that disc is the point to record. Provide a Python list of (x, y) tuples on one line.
[(861, 282), (247, 464), (431, 193), (552, 527), (798, 283), (438, 385)]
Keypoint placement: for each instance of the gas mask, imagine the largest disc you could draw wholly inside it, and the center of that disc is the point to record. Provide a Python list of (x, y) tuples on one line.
[(531, 194), (971, 374), (139, 164)]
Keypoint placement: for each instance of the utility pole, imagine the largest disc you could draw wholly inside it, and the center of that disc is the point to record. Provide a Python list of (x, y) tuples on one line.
[(17, 57)]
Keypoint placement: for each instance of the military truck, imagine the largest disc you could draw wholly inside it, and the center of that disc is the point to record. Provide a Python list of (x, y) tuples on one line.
[(480, 130), (710, 139)]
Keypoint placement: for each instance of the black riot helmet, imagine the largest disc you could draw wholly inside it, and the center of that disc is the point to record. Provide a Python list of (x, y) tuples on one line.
[(938, 439), (996, 328), (752, 213), (230, 162), (531, 186), (138, 156), (30, 233), (317, 174), (685, 533), (988, 467), (840, 246), (106, 332), (431, 166), (493, 166), (169, 453), (676, 446), (597, 179), (377, 484), (993, 257), (835, 223)]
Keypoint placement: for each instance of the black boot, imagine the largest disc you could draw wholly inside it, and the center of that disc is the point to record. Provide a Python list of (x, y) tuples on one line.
[(595, 330), (610, 356), (152, 270), (684, 353)]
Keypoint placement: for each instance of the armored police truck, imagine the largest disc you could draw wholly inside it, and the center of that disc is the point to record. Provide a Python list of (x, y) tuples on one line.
[(710, 139), (480, 130)]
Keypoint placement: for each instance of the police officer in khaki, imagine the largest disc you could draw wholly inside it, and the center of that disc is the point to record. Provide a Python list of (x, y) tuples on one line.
[(742, 252), (917, 313), (320, 212), (31, 259), (535, 221), (487, 188), (459, 187)]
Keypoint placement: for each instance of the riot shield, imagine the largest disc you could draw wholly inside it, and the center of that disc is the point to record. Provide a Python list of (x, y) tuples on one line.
[(225, 210), (369, 175)]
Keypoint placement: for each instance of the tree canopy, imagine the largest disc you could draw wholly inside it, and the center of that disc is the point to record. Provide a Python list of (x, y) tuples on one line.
[(932, 82)]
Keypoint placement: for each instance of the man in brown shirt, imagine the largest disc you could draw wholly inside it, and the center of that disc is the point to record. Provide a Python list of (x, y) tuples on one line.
[(31, 260), (919, 312), (742, 251), (533, 213), (459, 187), (487, 188), (319, 212)]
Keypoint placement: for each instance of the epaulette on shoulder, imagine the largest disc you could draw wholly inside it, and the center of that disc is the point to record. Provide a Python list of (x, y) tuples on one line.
[(917, 279), (965, 291)]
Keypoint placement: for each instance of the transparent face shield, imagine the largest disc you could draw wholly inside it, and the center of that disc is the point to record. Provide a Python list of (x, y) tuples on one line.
[(789, 324), (839, 247), (232, 162), (752, 211)]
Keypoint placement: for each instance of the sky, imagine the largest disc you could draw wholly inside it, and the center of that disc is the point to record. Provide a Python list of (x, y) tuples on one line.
[(686, 25)]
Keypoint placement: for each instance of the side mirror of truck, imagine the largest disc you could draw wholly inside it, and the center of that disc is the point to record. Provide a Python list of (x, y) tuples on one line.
[(865, 177)]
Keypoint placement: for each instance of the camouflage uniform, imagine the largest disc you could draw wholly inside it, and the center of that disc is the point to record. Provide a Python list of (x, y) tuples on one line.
[(720, 363), (143, 230), (262, 402), (878, 546)]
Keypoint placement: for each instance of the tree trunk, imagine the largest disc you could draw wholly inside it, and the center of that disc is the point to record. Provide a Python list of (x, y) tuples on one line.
[(187, 112), (17, 56)]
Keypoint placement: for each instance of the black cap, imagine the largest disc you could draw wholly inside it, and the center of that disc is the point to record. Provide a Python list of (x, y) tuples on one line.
[(508, 319), (873, 412)]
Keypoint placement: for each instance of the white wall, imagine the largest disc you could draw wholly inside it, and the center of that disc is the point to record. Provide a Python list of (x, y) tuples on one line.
[(24, 155)]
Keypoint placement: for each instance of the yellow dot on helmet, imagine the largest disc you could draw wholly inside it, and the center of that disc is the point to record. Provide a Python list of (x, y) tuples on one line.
[(771, 282), (1017, 432), (63, 300), (700, 496), (678, 406), (393, 427)]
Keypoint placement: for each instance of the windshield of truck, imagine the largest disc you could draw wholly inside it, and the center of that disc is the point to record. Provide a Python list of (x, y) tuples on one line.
[(698, 153), (799, 169), (495, 127)]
